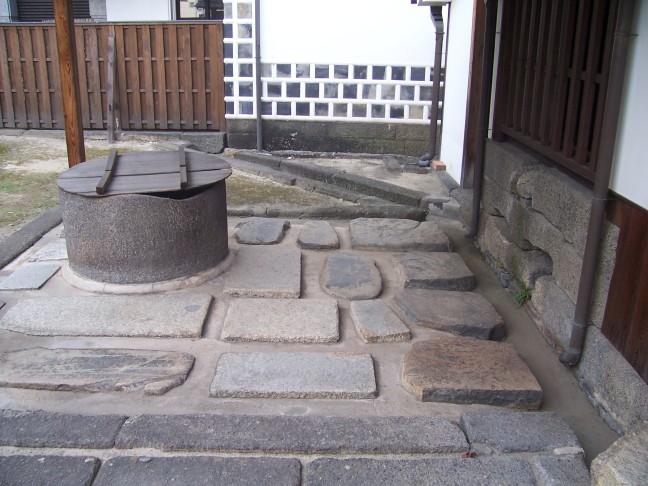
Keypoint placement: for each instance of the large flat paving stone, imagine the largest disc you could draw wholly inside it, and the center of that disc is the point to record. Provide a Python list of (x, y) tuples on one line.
[(283, 434), (464, 313), (56, 250), (94, 370), (318, 235), (625, 462), (265, 272), (197, 471), (397, 235), (488, 471), (19, 428), (465, 370), (282, 321), (376, 322), (30, 277), (294, 375), (261, 231), (181, 315), (437, 271), (347, 275), (564, 469), (46, 470)]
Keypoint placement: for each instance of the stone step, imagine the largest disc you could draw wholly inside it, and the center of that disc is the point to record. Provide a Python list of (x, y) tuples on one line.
[(437, 271), (318, 235), (464, 370), (261, 231), (376, 322), (47, 469), (347, 275), (294, 375), (397, 235)]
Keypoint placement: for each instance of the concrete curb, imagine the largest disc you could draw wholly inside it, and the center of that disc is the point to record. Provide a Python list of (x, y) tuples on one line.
[(329, 212)]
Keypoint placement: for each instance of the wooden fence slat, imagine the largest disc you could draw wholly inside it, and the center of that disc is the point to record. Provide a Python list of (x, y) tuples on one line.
[(29, 76), (133, 76), (199, 82), (540, 67), (174, 78), (531, 49), (94, 81), (17, 80), (8, 117), (187, 78), (216, 75), (42, 79), (160, 70), (148, 105), (549, 81), (123, 106)]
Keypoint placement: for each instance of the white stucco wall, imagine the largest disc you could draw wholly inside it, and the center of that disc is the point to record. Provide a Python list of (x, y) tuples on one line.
[(138, 11), (630, 170)]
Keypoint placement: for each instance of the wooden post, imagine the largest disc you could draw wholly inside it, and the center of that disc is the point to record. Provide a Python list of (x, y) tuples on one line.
[(69, 81)]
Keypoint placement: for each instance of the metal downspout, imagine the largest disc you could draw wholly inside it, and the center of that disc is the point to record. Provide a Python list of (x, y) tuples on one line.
[(484, 113), (257, 75), (622, 36)]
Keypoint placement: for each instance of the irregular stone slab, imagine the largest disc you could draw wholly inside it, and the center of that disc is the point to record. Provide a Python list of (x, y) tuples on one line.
[(293, 434), (294, 375), (49, 429), (438, 271), (349, 276), (180, 315), (318, 235), (397, 235), (464, 313), (30, 277), (625, 462), (199, 471), (53, 251), (261, 231), (282, 321), (376, 322), (47, 470), (466, 370), (487, 471), (559, 470), (491, 431), (95, 370), (265, 272)]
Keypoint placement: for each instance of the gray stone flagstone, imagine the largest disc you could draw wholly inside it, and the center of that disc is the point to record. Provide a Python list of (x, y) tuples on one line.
[(46, 470), (465, 313), (560, 470), (397, 235), (318, 235), (376, 322), (53, 251), (439, 271), (30, 277), (625, 462), (347, 275), (294, 375), (261, 231), (179, 315), (94, 370), (282, 321), (265, 272)]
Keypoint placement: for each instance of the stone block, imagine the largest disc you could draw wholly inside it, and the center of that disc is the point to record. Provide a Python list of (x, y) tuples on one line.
[(45, 470), (554, 309), (384, 190), (412, 132), (210, 142), (261, 231), (53, 251), (625, 463), (30, 277), (604, 270), (505, 163), (397, 235), (561, 470), (376, 322), (567, 267), (517, 217), (495, 200), (347, 275), (318, 235), (437, 271)]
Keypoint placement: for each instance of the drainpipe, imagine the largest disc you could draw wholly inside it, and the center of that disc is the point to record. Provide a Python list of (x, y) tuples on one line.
[(257, 77), (484, 113), (620, 49)]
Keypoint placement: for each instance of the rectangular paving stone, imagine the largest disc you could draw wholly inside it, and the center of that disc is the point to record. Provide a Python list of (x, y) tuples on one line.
[(170, 315), (265, 272), (48, 470), (57, 250), (376, 322), (197, 471), (95, 370), (282, 321), (293, 434), (30, 277), (19, 428), (438, 271), (294, 375), (559, 470), (397, 235)]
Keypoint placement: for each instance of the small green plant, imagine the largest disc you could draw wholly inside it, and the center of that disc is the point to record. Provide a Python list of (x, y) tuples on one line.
[(523, 294)]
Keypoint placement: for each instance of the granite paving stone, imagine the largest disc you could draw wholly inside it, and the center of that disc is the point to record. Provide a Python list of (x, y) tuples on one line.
[(625, 462), (261, 231), (457, 369), (464, 313), (318, 235), (397, 235), (488, 471), (94, 370), (561, 470), (170, 315), (294, 375), (347, 275), (282, 321), (197, 471), (20, 428), (436, 271), (376, 322), (30, 277), (46, 470), (265, 272), (293, 434), (56, 250)]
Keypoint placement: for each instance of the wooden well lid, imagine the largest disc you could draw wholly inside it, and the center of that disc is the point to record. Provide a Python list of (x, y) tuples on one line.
[(144, 173)]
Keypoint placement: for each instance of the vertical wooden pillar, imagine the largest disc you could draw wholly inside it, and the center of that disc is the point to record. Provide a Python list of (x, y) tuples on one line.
[(69, 81)]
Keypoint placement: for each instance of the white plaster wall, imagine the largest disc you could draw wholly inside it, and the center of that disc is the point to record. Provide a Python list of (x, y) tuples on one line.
[(456, 90), (138, 11), (380, 32), (630, 170)]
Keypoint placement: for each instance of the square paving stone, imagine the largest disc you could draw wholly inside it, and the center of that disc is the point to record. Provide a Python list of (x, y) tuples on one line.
[(397, 235), (41, 470), (376, 322), (30, 277), (265, 272), (282, 321), (56, 250), (347, 275), (318, 235), (294, 375), (457, 369), (437, 271), (261, 231), (559, 470)]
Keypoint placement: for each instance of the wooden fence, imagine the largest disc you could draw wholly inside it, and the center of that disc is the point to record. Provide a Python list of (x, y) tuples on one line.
[(169, 76)]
